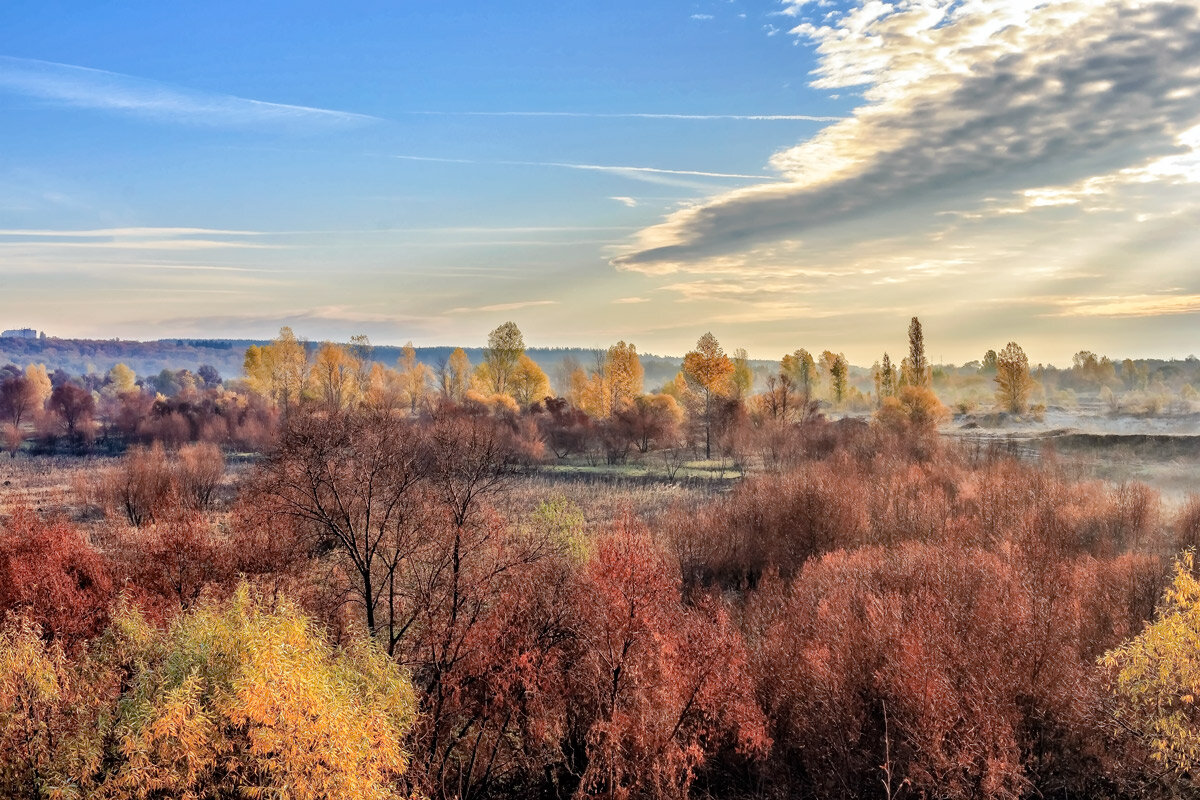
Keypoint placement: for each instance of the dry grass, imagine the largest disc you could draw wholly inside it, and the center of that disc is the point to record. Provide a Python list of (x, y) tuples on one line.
[(604, 499)]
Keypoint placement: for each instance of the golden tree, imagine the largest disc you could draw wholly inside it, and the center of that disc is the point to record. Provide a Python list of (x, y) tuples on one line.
[(624, 374), (708, 370), (248, 699), (1155, 678), (528, 383), (277, 370), (414, 377), (334, 376)]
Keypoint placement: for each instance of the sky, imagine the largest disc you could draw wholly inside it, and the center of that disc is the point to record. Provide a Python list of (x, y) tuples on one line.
[(784, 174)]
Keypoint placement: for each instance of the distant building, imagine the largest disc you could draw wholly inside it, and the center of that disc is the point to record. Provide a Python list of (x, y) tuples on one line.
[(19, 333)]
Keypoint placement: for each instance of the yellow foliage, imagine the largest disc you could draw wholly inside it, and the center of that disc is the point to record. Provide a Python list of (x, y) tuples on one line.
[(247, 699), (277, 370), (1155, 677)]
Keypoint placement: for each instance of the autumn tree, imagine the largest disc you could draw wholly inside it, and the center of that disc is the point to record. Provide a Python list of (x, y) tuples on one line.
[(661, 687), (244, 698), (120, 379), (454, 376), (277, 370), (53, 577), (914, 409), (623, 375), (503, 354), (742, 379), (414, 378), (1155, 678), (40, 385), (334, 376), (1013, 382), (528, 383), (38, 695), (708, 370), (652, 420)]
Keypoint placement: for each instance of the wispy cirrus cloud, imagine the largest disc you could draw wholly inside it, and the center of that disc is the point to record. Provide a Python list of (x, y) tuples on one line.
[(635, 115), (84, 87), (121, 233), (502, 306)]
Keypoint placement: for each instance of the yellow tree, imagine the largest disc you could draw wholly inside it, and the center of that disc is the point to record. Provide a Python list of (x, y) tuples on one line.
[(528, 383), (1013, 383), (455, 377), (1155, 678), (277, 370), (623, 376), (245, 699), (39, 380), (34, 683), (120, 379), (334, 376), (708, 370), (414, 377), (383, 390)]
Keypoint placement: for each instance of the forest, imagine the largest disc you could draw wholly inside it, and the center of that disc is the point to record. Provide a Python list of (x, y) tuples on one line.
[(330, 577)]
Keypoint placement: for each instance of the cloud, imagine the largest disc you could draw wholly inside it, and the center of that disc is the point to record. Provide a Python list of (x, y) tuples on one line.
[(503, 306), (123, 232), (1142, 305), (83, 87), (628, 202), (963, 101), (702, 17), (631, 300)]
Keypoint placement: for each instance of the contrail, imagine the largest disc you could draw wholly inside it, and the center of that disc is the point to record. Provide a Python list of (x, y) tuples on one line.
[(632, 115), (593, 167)]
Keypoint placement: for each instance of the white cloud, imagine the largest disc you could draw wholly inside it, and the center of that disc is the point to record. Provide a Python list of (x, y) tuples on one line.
[(628, 202), (83, 87), (962, 101)]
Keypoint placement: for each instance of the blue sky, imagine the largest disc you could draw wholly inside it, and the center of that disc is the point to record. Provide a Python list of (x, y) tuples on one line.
[(796, 174)]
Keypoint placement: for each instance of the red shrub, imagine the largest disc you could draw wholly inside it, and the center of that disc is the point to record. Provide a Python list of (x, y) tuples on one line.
[(50, 573)]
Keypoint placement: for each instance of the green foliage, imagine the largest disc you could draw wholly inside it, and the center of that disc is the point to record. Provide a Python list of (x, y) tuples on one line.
[(561, 522)]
